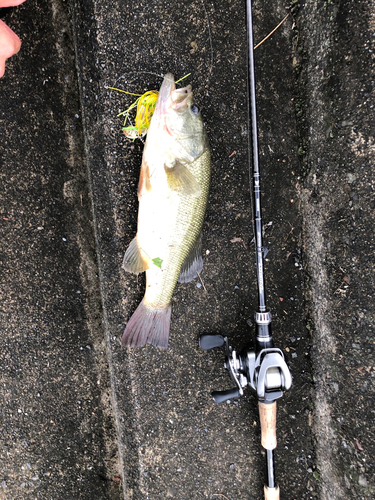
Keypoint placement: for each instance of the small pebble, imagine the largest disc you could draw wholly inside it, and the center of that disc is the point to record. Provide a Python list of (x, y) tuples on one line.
[(362, 481)]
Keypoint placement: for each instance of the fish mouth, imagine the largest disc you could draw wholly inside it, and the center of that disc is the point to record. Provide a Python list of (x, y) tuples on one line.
[(172, 98), (180, 98)]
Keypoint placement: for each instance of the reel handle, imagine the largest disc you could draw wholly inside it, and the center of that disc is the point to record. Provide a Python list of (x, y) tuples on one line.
[(221, 396)]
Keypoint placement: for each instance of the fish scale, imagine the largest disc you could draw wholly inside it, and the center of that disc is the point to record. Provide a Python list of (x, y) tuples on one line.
[(190, 217)]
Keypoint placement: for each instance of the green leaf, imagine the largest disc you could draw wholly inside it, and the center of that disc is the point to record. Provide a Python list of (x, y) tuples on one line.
[(157, 261)]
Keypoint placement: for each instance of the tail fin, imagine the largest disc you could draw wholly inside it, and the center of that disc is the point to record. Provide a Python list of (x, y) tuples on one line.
[(148, 325)]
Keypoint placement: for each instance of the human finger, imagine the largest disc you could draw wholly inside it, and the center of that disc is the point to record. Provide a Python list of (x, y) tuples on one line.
[(2, 66), (10, 44), (10, 3)]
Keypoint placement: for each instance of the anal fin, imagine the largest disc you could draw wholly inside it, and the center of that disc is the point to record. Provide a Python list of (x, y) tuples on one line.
[(134, 259)]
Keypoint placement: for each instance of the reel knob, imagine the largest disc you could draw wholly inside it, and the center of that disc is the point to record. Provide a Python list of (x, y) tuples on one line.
[(207, 342), (221, 396)]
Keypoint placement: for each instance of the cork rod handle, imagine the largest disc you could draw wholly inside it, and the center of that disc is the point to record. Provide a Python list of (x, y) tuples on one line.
[(271, 493), (267, 416)]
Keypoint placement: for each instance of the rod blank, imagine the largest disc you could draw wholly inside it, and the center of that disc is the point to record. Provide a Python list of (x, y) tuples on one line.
[(255, 174)]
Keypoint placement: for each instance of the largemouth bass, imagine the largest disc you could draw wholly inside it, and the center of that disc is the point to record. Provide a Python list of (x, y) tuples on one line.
[(172, 194)]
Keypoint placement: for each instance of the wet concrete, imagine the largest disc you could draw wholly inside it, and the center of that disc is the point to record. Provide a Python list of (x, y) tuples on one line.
[(336, 98), (177, 443), (57, 436), (84, 418)]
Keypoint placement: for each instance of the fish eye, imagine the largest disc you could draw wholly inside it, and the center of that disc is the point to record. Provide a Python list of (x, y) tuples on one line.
[(194, 109)]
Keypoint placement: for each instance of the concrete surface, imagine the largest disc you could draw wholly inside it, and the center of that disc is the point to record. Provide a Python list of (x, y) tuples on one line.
[(58, 439), (336, 108), (83, 418)]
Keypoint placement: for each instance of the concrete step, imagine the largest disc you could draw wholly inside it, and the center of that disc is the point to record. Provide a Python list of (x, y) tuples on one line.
[(175, 442), (84, 418), (58, 437)]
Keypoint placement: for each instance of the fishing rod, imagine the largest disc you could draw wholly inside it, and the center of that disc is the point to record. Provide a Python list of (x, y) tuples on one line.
[(264, 369)]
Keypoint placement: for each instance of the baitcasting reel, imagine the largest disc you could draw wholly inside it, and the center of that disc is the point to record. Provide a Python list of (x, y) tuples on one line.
[(264, 370), (268, 375)]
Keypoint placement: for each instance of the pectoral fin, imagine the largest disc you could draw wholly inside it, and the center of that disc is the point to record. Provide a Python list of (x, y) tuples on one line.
[(134, 260), (180, 179), (193, 263)]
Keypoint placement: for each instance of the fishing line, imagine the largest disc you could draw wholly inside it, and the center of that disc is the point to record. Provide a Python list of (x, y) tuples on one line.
[(210, 38)]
